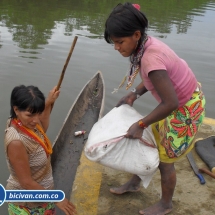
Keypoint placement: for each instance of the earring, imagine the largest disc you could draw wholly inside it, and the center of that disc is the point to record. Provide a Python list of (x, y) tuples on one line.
[(137, 44)]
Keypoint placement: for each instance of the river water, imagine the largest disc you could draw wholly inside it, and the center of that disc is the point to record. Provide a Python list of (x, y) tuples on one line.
[(35, 38)]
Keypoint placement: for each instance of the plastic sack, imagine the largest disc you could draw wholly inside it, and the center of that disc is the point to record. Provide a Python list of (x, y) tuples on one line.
[(107, 145)]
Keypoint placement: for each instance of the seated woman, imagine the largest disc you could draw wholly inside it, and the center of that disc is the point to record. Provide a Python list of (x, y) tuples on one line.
[(28, 149)]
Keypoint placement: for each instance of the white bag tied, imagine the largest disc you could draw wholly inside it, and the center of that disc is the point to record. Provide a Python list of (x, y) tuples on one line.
[(107, 145)]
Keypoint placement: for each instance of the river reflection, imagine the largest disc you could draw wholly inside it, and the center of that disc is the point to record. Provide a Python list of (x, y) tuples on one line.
[(35, 38), (31, 23)]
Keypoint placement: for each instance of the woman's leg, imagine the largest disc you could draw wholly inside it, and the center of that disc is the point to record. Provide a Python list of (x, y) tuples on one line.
[(168, 182), (133, 185)]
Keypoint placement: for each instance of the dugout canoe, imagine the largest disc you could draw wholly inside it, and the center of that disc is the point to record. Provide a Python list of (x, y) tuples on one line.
[(67, 148)]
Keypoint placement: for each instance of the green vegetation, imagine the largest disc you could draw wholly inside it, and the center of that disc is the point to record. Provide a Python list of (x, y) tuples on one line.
[(31, 22)]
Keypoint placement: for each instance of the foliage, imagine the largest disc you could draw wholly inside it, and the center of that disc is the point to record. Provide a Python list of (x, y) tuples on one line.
[(31, 22)]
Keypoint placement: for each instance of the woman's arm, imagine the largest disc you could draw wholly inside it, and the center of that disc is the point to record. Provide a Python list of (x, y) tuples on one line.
[(45, 116), (18, 158), (132, 96), (140, 89), (166, 91), (169, 102)]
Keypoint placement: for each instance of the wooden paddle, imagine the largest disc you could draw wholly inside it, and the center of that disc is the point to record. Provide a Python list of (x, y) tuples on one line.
[(65, 65), (207, 172)]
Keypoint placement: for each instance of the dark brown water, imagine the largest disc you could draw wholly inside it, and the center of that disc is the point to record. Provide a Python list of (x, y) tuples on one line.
[(35, 38)]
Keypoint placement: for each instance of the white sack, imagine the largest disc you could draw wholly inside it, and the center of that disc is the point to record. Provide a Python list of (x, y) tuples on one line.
[(106, 144)]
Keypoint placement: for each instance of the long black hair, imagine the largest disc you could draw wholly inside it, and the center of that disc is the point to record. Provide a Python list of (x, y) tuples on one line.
[(27, 98), (123, 21)]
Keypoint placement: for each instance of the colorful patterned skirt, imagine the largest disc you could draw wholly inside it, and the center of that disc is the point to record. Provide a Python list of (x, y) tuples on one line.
[(174, 135), (44, 209)]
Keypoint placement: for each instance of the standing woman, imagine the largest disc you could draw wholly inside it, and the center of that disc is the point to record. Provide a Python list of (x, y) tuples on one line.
[(28, 150), (181, 103)]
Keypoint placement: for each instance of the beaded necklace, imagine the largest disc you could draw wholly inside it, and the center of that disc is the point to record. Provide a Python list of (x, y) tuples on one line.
[(46, 144), (135, 59)]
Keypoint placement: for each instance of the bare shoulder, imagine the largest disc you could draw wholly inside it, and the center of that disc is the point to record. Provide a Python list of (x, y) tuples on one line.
[(17, 155), (16, 147)]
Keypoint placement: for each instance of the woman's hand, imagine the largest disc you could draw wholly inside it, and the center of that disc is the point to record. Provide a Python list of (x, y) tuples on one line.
[(128, 99), (44, 117), (132, 96), (134, 132), (52, 96), (67, 207)]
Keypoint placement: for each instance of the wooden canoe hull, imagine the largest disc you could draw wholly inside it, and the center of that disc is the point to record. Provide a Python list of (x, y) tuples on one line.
[(67, 148)]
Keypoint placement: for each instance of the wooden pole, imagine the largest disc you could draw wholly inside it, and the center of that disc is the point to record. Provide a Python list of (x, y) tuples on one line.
[(65, 65)]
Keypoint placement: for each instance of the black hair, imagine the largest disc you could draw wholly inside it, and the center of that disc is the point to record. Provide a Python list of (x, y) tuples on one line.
[(27, 98), (123, 21)]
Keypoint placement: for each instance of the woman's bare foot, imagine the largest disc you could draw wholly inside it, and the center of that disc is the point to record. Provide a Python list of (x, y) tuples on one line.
[(131, 186), (156, 209)]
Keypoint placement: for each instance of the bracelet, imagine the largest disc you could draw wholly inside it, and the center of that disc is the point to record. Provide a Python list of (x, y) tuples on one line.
[(142, 124), (135, 92)]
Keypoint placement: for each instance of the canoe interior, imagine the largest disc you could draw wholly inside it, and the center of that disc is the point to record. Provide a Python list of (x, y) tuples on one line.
[(67, 148)]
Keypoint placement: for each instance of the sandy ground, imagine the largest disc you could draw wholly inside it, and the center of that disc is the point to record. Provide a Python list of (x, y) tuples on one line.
[(190, 196)]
